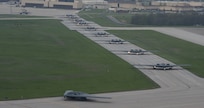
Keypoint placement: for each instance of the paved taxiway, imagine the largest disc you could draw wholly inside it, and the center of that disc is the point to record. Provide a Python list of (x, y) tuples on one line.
[(179, 88), (193, 35), (171, 79)]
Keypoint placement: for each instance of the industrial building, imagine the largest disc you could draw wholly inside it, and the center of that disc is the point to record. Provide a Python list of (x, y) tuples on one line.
[(117, 4), (63, 4), (167, 6)]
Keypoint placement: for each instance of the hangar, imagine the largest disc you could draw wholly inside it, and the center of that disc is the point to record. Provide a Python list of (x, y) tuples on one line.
[(63, 4)]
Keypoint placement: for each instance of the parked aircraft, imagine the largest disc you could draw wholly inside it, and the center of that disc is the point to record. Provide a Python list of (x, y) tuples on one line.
[(24, 12), (71, 16), (77, 95), (84, 23), (78, 20), (164, 66), (101, 34), (90, 28), (116, 41), (136, 52)]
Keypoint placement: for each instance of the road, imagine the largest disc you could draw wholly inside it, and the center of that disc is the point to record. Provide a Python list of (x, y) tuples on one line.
[(179, 88)]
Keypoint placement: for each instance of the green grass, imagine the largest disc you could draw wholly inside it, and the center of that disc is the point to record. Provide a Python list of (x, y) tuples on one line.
[(19, 16), (100, 17), (42, 58), (173, 49)]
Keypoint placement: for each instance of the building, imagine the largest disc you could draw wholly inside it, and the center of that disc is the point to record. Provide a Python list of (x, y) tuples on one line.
[(63, 4), (172, 6), (122, 5)]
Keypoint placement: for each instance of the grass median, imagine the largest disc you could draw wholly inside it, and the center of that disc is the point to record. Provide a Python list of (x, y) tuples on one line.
[(42, 58), (171, 48)]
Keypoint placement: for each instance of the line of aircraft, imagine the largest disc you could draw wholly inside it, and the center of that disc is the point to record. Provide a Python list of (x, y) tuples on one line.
[(77, 95), (77, 20), (160, 66)]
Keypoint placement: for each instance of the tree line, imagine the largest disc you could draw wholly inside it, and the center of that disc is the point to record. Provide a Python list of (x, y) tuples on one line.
[(173, 19)]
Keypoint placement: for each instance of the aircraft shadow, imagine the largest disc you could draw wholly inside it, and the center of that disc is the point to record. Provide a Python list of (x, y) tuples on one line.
[(89, 100), (98, 101)]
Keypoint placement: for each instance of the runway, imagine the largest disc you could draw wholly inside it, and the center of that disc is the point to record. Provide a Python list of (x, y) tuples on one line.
[(179, 88)]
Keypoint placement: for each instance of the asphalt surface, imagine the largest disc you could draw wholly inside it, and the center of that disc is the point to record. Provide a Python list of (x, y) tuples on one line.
[(194, 35), (179, 88)]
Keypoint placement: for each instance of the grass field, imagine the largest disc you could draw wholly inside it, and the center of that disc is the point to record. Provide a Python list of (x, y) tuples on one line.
[(42, 58), (19, 16), (100, 17), (173, 49)]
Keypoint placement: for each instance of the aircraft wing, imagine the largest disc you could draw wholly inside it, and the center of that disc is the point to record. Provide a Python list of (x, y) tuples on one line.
[(88, 96), (144, 65), (144, 51), (164, 65), (91, 96), (182, 65)]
